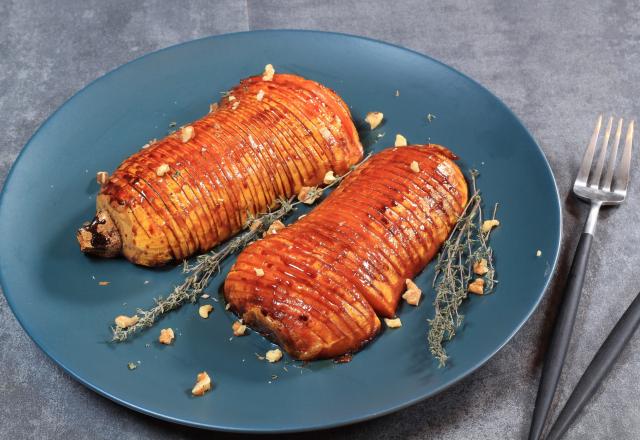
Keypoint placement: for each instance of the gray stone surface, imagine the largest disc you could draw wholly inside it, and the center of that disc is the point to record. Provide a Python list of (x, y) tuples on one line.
[(556, 64)]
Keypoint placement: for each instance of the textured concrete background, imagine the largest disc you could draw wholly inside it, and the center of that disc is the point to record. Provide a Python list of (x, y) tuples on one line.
[(556, 64)]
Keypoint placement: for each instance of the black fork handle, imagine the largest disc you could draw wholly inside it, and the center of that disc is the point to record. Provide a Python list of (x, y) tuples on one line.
[(561, 336)]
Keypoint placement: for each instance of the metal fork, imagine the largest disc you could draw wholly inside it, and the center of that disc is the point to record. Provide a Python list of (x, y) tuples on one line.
[(598, 190)]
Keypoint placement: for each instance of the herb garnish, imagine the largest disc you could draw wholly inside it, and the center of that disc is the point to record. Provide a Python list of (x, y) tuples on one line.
[(454, 269)]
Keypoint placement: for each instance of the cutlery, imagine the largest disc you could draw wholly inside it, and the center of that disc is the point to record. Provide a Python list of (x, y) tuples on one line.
[(598, 369), (598, 190)]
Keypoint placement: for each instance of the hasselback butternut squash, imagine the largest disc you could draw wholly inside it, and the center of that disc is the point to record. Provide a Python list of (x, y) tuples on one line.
[(318, 286), (267, 138)]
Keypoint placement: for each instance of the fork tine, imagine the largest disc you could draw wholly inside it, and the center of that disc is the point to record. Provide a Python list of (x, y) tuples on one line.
[(595, 178), (583, 173), (606, 183), (622, 173)]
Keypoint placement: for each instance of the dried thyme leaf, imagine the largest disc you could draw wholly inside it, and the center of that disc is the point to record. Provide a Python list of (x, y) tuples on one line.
[(454, 270)]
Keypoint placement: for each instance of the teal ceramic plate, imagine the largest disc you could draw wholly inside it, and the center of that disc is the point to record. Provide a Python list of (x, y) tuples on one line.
[(54, 292)]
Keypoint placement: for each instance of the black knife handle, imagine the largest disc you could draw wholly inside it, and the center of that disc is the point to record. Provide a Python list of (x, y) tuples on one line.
[(598, 368), (561, 336)]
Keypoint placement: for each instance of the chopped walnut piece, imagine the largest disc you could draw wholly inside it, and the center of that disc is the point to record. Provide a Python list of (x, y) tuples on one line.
[(231, 98), (275, 227), (259, 272), (235, 105), (374, 119), (273, 355), (166, 336), (412, 294), (401, 141), (309, 194), (227, 306), (162, 170), (269, 71), (480, 267), (187, 134), (397, 92), (393, 323), (239, 329), (538, 253), (329, 178), (488, 225), (415, 167), (103, 283), (205, 310), (123, 321), (477, 286), (102, 177), (260, 95), (213, 107), (203, 384)]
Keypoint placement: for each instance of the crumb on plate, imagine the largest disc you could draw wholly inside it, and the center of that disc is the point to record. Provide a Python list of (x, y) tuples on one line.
[(374, 119), (393, 322), (166, 336), (413, 293), (205, 310), (401, 141), (203, 384)]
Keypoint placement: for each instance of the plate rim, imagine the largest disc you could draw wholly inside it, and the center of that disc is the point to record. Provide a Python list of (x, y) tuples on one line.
[(323, 426)]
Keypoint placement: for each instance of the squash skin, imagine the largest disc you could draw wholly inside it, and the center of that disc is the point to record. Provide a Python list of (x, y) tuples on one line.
[(328, 276), (245, 155)]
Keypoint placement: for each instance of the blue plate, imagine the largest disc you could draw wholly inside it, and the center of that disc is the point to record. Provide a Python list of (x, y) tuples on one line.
[(54, 292)]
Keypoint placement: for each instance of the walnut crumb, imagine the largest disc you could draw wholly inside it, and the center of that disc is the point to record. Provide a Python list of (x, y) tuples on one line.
[(329, 178), (213, 107), (166, 336), (393, 323), (480, 267), (273, 355), (488, 225), (203, 384), (123, 321), (374, 119), (204, 296), (412, 294), (401, 141), (239, 329), (269, 71), (275, 227), (187, 134), (103, 283), (259, 271), (235, 105), (397, 92), (309, 194), (260, 95), (162, 170), (102, 177), (415, 167), (538, 253), (477, 286), (227, 306), (231, 98), (205, 310)]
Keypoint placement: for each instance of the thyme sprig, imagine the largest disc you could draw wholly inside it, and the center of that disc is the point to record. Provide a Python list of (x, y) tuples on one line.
[(206, 265), (466, 245)]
